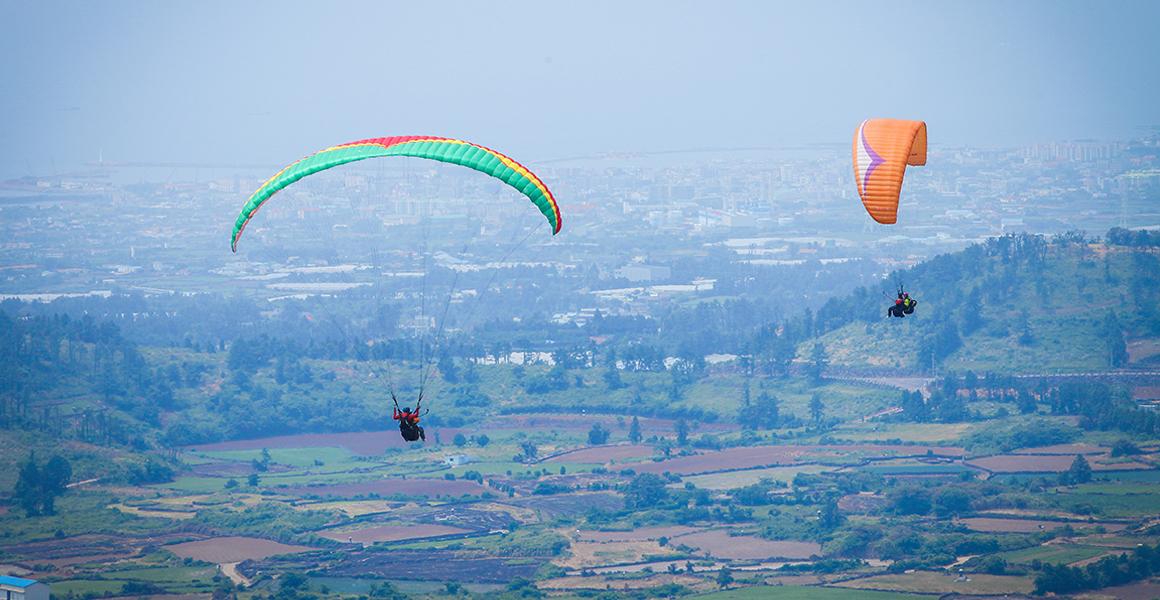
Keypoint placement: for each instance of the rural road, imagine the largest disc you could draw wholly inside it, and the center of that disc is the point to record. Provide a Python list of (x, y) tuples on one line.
[(231, 570)]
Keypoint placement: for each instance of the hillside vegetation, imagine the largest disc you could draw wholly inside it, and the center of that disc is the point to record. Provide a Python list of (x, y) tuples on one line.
[(1017, 304)]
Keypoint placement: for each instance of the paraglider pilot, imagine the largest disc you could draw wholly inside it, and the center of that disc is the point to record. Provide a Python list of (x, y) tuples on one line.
[(903, 305), (408, 421)]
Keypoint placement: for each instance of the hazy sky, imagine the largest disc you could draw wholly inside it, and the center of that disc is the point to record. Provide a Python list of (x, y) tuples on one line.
[(267, 82)]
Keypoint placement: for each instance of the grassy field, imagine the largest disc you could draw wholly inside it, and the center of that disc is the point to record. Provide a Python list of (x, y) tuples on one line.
[(1107, 505), (1053, 553), (929, 433)]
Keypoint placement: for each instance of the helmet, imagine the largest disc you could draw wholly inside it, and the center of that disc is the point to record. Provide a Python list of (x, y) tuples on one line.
[(407, 409)]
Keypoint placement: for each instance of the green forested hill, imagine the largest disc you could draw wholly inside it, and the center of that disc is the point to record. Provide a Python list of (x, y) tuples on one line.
[(1017, 303)]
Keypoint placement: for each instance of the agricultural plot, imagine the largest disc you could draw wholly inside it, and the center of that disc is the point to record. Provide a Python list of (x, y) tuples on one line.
[(1108, 505), (582, 423), (604, 454), (1064, 449), (577, 583), (719, 544), (390, 533), (1023, 463), (751, 457), (930, 582), (1145, 590), (232, 549), (571, 505), (801, 592), (737, 479), (584, 555), (386, 488), (409, 564), (1054, 553), (636, 535), (1031, 525), (363, 443), (84, 549), (926, 433)]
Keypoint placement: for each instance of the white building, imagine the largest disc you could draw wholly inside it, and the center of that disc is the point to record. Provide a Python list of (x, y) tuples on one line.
[(15, 588)]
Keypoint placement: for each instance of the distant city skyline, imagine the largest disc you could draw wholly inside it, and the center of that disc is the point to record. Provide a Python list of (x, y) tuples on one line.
[(267, 82)]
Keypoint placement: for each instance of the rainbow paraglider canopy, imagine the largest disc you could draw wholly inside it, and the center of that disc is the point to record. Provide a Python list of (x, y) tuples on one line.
[(459, 152)]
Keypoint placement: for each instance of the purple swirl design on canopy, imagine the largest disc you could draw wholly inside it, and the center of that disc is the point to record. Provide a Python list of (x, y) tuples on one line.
[(875, 160)]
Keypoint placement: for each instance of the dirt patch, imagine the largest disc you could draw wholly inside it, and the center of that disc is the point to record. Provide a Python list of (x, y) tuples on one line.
[(719, 544), (1029, 525), (637, 535), (391, 533), (584, 555), (1018, 463), (604, 454), (388, 488), (233, 549), (365, 443)]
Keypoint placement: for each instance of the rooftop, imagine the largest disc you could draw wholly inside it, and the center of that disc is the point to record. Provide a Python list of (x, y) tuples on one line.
[(16, 581)]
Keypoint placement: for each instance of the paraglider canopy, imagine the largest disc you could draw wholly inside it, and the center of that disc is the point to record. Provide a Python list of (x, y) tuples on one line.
[(459, 152), (882, 149)]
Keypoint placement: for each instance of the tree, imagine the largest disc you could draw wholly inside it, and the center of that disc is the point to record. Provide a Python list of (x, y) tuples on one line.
[(682, 432), (27, 490), (482, 440), (818, 361), (951, 501), (830, 516), (725, 577), (1079, 472), (634, 434), (817, 409), (38, 487), (447, 368), (645, 491), (598, 435), (763, 414), (910, 501), (253, 480), (460, 440), (612, 378)]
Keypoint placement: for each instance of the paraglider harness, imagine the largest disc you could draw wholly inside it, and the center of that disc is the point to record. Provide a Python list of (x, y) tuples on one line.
[(903, 305), (409, 422)]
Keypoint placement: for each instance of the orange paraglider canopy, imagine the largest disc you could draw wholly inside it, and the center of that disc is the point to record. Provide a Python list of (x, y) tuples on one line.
[(882, 149)]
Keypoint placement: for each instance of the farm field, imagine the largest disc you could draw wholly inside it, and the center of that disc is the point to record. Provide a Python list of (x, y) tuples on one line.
[(1031, 525), (768, 456), (388, 488), (718, 543), (790, 592), (929, 582), (736, 479), (390, 533), (1024, 463), (1054, 553), (232, 549)]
